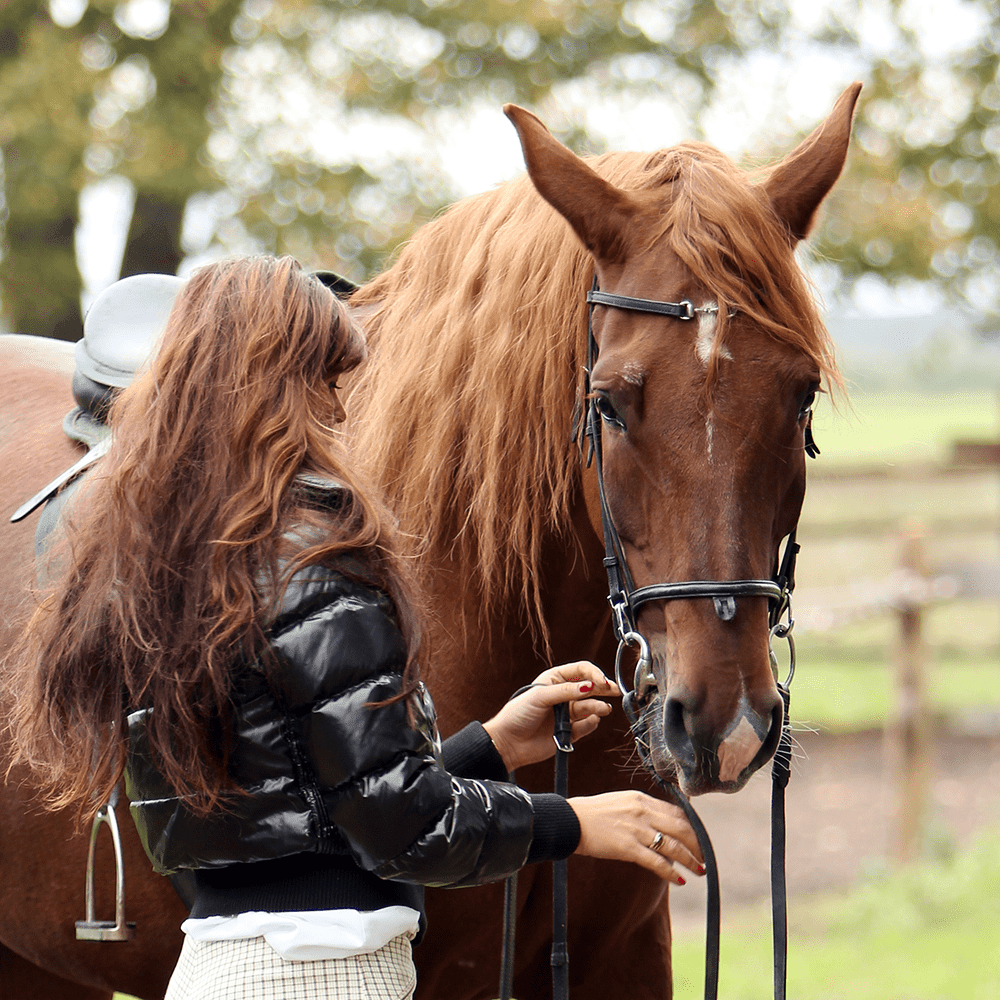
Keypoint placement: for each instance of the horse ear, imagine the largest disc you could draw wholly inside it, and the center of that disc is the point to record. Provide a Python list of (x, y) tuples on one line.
[(597, 210), (800, 182)]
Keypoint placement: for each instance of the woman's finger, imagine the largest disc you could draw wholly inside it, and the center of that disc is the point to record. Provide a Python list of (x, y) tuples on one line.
[(587, 707), (667, 846), (584, 727), (670, 820), (581, 670), (631, 826), (659, 865), (571, 691)]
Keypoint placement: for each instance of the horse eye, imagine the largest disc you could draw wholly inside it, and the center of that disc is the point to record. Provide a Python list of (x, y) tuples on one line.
[(607, 411), (807, 404)]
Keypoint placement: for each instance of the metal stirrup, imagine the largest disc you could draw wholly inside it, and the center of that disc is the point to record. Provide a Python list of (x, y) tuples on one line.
[(106, 930)]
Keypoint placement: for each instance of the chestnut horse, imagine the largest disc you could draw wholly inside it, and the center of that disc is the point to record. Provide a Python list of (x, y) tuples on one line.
[(467, 414)]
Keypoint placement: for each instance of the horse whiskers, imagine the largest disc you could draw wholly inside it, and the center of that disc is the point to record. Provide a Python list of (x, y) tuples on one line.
[(801, 726), (798, 750)]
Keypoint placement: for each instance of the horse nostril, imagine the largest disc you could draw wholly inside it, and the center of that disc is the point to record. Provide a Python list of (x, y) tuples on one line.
[(676, 736)]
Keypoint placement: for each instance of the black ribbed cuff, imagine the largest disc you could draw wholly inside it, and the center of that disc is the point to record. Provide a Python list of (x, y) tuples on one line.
[(556, 830), (470, 753), (296, 883)]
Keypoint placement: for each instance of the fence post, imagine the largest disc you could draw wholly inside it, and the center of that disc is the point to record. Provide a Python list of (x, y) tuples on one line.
[(908, 736)]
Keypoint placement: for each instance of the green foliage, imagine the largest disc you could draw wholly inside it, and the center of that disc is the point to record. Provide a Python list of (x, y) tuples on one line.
[(43, 132), (922, 197), (253, 108), (407, 63), (79, 103)]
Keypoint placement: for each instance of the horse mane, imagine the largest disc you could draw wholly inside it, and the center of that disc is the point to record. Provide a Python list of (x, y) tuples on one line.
[(464, 412)]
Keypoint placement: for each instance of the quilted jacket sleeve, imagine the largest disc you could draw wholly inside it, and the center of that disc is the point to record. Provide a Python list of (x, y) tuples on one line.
[(377, 780)]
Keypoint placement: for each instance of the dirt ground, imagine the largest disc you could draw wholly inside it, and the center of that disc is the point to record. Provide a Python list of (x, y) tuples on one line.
[(840, 806)]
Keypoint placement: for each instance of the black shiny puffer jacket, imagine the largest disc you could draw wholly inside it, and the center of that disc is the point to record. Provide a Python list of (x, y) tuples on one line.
[(342, 795)]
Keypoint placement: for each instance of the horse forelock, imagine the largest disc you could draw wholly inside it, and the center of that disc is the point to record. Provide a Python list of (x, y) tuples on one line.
[(721, 225), (464, 411)]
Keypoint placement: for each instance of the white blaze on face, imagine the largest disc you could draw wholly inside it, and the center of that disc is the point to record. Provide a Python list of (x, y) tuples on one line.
[(737, 750), (707, 316)]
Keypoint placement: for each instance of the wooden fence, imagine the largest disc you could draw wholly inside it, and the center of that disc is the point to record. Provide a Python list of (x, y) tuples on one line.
[(905, 593)]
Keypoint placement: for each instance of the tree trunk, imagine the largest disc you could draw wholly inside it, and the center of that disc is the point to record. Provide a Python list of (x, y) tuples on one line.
[(38, 274), (153, 245)]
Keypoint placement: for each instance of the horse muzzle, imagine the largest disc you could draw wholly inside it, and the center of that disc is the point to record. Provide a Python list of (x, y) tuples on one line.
[(679, 748)]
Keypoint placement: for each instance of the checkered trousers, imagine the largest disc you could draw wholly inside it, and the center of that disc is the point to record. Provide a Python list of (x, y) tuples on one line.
[(250, 969)]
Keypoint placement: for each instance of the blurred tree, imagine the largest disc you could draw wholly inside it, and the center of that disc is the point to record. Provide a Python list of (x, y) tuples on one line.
[(922, 198), (303, 125), (44, 98), (306, 78), (82, 102), (212, 99)]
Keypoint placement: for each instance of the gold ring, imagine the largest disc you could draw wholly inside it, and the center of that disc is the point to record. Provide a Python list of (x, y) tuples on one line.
[(657, 840)]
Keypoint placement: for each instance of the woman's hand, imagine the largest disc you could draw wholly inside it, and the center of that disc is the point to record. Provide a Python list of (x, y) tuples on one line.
[(632, 826), (522, 729)]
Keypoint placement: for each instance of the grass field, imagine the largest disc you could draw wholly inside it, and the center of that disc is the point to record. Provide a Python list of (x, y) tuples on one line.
[(931, 932), (899, 443), (902, 427)]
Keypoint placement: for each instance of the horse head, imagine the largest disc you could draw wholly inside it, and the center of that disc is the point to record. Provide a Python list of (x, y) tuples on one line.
[(704, 416)]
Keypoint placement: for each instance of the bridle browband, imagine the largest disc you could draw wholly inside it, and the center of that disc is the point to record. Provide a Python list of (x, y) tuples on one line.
[(625, 600)]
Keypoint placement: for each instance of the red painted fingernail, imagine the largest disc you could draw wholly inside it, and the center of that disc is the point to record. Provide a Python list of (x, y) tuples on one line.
[(680, 881), (701, 869), (584, 688)]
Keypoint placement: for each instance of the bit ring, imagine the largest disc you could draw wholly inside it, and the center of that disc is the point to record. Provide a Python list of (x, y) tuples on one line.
[(657, 840)]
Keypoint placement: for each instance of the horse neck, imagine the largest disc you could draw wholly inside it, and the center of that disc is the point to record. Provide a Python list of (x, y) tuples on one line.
[(475, 657)]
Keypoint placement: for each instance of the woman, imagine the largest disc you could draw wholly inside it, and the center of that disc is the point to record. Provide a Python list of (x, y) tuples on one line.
[(236, 636)]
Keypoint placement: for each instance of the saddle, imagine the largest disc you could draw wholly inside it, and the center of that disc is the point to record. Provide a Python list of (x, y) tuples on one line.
[(120, 334)]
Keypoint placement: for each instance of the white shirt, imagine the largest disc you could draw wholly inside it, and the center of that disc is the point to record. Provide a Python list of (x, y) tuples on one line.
[(311, 935)]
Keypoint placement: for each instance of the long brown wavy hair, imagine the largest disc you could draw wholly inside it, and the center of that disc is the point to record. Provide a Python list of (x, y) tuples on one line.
[(178, 549)]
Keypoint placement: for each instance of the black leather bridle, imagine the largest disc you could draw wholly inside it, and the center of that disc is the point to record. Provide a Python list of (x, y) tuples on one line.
[(625, 600)]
